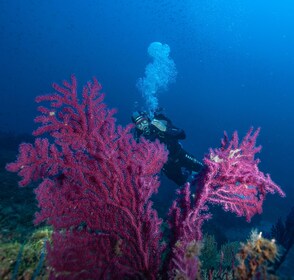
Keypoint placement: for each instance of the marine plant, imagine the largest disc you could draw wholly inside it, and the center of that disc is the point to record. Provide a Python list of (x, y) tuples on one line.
[(95, 187)]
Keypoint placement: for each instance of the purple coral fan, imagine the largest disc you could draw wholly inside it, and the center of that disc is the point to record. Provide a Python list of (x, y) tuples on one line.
[(96, 183)]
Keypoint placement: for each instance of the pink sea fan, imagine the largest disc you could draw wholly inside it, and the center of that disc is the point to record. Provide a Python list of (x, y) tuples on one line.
[(96, 184)]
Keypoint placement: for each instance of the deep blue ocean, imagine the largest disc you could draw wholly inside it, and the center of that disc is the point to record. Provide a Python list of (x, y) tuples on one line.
[(234, 62)]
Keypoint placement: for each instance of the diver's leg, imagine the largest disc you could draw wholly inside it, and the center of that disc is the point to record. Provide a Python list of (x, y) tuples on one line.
[(190, 162), (174, 173)]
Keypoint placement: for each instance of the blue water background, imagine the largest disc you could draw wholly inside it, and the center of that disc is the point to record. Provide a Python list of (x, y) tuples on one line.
[(234, 59)]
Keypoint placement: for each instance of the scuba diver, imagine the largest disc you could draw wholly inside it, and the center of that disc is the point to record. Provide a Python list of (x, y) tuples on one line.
[(180, 166)]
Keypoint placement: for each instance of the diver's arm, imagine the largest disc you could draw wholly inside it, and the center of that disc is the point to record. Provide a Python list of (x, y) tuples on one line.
[(175, 132), (168, 129)]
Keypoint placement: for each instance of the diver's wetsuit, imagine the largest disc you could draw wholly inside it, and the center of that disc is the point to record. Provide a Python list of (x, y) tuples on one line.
[(178, 158)]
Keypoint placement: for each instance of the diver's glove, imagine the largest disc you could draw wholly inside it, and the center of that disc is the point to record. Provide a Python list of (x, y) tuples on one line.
[(161, 125)]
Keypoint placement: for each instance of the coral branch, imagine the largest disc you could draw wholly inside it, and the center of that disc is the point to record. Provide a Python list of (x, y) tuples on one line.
[(96, 182), (231, 179), (95, 187)]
